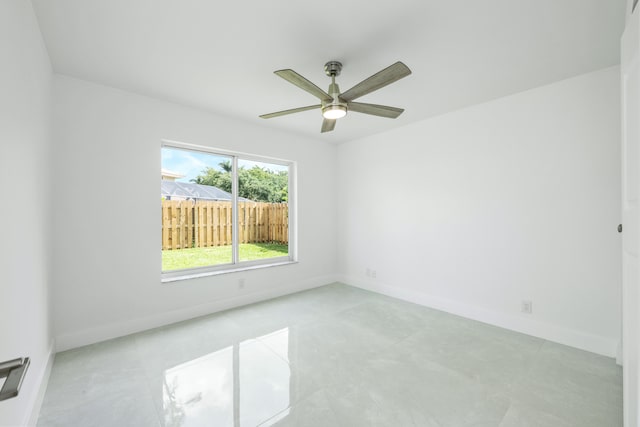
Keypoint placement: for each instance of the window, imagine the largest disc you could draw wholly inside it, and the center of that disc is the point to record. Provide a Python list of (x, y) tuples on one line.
[(223, 211)]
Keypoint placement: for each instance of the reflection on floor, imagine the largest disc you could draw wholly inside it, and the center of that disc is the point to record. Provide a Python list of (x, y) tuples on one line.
[(246, 381), (332, 356)]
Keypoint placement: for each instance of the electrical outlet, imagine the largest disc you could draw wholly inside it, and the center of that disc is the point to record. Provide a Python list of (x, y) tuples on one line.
[(373, 274), (527, 307), (241, 284)]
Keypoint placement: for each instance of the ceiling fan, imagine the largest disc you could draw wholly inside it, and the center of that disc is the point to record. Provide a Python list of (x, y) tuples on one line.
[(334, 104)]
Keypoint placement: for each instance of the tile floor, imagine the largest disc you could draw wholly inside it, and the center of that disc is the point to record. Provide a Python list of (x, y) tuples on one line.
[(332, 356)]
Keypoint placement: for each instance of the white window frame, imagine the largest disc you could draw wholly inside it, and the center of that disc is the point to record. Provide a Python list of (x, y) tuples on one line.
[(236, 265)]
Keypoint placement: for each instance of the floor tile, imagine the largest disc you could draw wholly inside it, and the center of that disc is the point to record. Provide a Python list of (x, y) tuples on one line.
[(332, 356), (314, 411), (519, 415)]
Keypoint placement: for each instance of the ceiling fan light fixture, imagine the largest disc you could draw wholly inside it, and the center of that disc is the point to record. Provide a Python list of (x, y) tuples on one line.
[(334, 111)]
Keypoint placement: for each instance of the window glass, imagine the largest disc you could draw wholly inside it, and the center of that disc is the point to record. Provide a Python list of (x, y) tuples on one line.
[(222, 209), (263, 215)]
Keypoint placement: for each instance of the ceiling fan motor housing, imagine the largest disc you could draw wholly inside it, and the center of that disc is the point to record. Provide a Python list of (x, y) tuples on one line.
[(335, 107)]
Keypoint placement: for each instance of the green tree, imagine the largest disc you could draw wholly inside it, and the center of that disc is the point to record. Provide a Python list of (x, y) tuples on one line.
[(226, 166), (257, 184), (215, 178)]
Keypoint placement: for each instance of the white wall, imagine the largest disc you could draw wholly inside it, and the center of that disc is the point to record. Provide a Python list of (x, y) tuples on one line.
[(25, 88), (107, 217), (476, 210), (627, 10)]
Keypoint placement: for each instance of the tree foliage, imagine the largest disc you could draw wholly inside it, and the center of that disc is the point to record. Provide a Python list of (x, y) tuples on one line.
[(257, 184)]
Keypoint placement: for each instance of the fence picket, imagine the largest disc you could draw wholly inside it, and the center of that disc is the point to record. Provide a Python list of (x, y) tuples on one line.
[(187, 224), (165, 225)]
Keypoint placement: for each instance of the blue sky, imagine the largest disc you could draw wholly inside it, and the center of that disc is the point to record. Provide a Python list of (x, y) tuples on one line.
[(191, 163)]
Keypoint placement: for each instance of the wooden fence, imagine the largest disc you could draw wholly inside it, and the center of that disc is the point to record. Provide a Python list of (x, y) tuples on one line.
[(189, 224)]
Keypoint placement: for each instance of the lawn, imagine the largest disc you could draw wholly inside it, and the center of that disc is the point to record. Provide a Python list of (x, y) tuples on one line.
[(202, 257)]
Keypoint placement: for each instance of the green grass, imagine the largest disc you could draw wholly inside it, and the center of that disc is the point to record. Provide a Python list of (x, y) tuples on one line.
[(202, 257)]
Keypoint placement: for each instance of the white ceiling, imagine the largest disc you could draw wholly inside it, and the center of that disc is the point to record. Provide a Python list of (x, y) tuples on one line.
[(220, 56)]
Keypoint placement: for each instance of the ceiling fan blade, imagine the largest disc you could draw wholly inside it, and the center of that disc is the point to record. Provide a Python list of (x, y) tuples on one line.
[(374, 109), (379, 80), (293, 110), (295, 78), (328, 125)]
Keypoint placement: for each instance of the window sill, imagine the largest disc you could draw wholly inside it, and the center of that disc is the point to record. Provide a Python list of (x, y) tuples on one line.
[(196, 275)]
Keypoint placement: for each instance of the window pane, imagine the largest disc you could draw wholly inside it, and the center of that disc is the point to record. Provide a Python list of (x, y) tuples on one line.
[(197, 213), (263, 210)]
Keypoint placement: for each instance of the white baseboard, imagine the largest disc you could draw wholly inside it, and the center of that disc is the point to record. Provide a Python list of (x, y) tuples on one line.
[(592, 343), (31, 418), (114, 330)]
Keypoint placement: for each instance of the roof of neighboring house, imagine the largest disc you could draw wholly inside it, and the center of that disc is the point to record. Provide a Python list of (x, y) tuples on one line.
[(171, 174), (192, 191)]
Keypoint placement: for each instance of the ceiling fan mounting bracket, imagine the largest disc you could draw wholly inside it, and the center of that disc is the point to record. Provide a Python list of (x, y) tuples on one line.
[(332, 68)]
